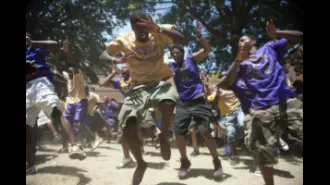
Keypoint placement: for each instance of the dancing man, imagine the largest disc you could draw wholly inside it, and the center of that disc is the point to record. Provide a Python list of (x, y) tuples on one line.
[(272, 108), (192, 104), (144, 55)]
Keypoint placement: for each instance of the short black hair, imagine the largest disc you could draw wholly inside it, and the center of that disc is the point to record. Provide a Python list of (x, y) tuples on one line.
[(135, 16), (252, 37), (179, 47), (29, 35)]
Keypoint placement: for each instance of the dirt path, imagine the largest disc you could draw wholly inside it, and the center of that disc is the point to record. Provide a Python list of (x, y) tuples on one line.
[(100, 169)]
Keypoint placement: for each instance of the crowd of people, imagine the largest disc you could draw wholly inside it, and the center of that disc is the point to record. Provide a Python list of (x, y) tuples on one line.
[(253, 105)]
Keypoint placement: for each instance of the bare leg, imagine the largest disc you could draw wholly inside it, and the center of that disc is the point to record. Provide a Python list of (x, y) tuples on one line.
[(125, 148), (267, 174), (52, 128), (194, 141), (130, 135), (180, 141), (140, 135), (210, 143), (166, 108)]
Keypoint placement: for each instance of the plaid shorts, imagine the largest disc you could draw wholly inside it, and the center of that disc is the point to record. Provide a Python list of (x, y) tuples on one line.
[(263, 128)]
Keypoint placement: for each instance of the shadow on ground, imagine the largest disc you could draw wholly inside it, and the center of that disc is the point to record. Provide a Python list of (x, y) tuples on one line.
[(153, 154), (170, 183), (42, 158), (249, 164), (107, 147), (93, 154), (67, 170), (45, 149), (207, 173), (156, 166), (292, 160)]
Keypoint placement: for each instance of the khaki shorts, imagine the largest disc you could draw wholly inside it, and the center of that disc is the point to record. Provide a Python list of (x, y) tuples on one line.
[(267, 125), (142, 97)]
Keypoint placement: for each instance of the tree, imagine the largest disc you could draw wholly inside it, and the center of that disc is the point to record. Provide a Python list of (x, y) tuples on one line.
[(82, 22), (225, 21)]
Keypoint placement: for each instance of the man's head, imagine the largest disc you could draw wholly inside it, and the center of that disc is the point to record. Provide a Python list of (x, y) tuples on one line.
[(177, 53), (141, 32), (249, 40), (124, 72), (28, 39)]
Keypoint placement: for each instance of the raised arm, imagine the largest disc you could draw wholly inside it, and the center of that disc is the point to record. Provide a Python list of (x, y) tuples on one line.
[(232, 74), (174, 35), (48, 45), (206, 48), (107, 81), (292, 36), (113, 60)]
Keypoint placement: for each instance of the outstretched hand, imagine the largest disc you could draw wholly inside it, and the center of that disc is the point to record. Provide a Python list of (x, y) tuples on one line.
[(115, 69), (243, 53), (149, 23), (270, 29), (124, 58)]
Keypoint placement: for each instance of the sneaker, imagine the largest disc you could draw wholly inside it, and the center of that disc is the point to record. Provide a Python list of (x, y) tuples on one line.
[(124, 163), (77, 152), (57, 137), (195, 152), (283, 145), (218, 172), (257, 172), (184, 168), (165, 149), (97, 143), (31, 170)]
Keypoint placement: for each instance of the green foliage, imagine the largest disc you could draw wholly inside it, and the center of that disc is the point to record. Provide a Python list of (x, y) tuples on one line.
[(80, 21), (225, 21)]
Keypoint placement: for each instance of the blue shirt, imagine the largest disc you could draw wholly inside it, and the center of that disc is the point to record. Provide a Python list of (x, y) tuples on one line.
[(187, 79), (38, 57)]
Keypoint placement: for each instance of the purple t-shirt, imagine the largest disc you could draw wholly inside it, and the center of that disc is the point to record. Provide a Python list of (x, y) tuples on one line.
[(122, 85), (111, 109), (37, 56), (187, 79), (243, 94), (265, 77)]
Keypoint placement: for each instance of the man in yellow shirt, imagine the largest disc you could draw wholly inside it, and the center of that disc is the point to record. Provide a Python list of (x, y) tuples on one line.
[(76, 103), (232, 116), (143, 50)]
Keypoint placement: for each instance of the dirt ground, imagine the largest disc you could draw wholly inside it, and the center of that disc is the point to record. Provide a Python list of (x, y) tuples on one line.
[(99, 168)]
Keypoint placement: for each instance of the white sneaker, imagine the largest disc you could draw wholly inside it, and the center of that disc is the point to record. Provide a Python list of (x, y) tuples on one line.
[(124, 163), (97, 143), (257, 172), (283, 145)]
